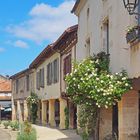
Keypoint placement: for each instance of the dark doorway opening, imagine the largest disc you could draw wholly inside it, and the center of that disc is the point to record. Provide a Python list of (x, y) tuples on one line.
[(57, 112), (47, 112), (115, 131)]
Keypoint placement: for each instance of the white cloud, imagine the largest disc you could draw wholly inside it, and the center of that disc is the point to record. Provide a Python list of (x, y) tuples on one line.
[(46, 22), (2, 49), (21, 44)]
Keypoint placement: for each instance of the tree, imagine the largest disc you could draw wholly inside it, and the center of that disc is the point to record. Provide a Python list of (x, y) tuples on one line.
[(92, 84)]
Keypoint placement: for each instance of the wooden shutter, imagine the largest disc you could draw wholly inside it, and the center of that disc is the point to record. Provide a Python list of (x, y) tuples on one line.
[(27, 82), (67, 64), (42, 77), (56, 70), (48, 74)]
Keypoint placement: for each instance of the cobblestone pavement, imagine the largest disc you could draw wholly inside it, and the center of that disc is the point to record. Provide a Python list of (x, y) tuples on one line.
[(4, 135), (46, 133)]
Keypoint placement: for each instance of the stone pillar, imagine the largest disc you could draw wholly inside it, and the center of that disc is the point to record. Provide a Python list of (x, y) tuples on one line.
[(105, 127), (44, 119), (26, 114), (19, 114), (52, 113), (63, 105), (13, 111), (129, 116)]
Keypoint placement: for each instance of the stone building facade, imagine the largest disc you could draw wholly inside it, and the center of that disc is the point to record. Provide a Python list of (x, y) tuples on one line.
[(46, 79), (22, 86), (102, 26)]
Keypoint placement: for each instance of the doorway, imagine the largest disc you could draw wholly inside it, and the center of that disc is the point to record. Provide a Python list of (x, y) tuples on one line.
[(115, 121), (57, 112)]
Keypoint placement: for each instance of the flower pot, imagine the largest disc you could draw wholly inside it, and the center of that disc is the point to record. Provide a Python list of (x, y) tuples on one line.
[(133, 35)]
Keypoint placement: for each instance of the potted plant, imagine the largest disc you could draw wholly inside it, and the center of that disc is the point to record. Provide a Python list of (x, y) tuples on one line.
[(133, 33)]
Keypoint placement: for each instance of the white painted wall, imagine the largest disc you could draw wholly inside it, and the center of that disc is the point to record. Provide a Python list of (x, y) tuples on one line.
[(121, 55), (49, 91)]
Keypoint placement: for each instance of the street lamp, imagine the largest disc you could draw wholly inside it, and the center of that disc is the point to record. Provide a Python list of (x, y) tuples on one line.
[(131, 5)]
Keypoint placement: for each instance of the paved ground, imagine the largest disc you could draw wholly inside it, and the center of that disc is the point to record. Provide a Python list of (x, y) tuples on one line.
[(4, 135), (46, 133)]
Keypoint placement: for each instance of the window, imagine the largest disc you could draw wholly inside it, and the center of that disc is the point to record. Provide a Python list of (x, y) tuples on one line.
[(56, 70), (42, 77), (106, 36), (88, 47), (88, 13), (53, 72), (37, 80), (27, 83), (49, 74), (17, 85), (67, 64)]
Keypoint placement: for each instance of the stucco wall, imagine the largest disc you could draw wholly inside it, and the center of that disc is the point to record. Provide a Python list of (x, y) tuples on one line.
[(22, 91), (129, 116), (49, 91), (119, 20), (105, 123)]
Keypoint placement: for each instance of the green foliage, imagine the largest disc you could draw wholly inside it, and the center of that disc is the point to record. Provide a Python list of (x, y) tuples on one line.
[(6, 124), (66, 110), (91, 82), (27, 132), (92, 86), (32, 101), (14, 125), (87, 121)]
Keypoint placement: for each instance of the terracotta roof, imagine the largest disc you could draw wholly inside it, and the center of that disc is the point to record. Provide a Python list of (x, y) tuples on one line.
[(75, 6), (42, 56), (5, 85), (51, 49)]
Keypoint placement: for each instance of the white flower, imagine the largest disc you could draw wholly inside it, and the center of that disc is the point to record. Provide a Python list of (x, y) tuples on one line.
[(74, 78), (111, 76), (108, 75), (86, 74), (97, 61), (99, 106), (126, 84), (97, 79), (106, 106), (98, 90), (131, 87), (104, 94), (102, 81), (124, 78), (75, 70)]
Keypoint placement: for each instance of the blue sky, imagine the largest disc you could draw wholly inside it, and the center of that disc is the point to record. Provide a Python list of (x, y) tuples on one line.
[(27, 26)]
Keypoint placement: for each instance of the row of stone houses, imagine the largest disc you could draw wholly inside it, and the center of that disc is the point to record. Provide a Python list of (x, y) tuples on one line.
[(45, 77), (102, 26)]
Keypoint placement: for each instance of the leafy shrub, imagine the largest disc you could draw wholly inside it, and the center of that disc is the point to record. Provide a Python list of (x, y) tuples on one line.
[(27, 132), (66, 110), (14, 125), (6, 124)]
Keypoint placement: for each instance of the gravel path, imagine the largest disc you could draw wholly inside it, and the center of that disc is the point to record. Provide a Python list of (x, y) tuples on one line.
[(46, 133), (4, 135)]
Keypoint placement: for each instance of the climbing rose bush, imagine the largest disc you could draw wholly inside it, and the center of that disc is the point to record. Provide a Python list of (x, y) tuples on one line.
[(91, 82)]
